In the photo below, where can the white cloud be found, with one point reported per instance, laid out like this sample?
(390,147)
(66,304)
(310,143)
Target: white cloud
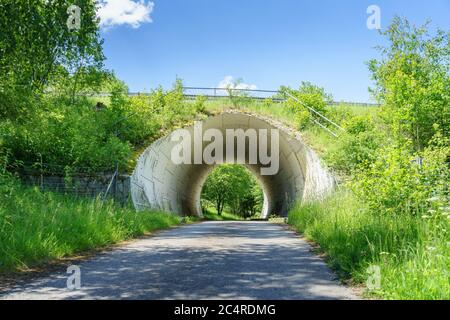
(230,83)
(125,12)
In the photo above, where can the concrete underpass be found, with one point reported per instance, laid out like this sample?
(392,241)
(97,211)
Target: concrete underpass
(158,183)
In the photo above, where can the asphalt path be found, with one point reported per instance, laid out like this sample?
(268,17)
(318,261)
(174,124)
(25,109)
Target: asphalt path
(209,260)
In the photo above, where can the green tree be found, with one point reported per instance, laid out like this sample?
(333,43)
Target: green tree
(412,82)
(232,186)
(35,40)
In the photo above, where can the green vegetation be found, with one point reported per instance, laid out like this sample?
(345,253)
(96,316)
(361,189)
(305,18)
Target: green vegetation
(232,187)
(211,214)
(37,49)
(412,252)
(412,82)
(310,95)
(46,70)
(86,133)
(393,210)
(36,227)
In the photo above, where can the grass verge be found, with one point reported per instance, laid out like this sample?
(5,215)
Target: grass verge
(211,214)
(411,253)
(38,227)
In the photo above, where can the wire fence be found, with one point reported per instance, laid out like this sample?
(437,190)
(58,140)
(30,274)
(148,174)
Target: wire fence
(78,182)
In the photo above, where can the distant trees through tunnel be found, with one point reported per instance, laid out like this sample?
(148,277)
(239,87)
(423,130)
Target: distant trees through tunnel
(234,190)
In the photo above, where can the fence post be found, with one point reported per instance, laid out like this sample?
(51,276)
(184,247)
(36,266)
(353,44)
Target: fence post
(42,173)
(116,180)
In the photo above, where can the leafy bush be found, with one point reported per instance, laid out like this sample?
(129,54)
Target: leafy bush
(199,105)
(340,113)
(358,148)
(399,182)
(86,133)
(66,135)
(312,96)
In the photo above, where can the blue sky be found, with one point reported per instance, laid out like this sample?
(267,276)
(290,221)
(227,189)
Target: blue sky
(267,43)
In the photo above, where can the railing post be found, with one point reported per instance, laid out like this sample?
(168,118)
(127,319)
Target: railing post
(116,180)
(42,173)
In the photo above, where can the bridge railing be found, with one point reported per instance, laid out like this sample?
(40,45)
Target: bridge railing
(318,114)
(219,93)
(257,94)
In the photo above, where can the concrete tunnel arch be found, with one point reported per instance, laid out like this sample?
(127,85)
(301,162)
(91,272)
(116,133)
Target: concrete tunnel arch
(157,183)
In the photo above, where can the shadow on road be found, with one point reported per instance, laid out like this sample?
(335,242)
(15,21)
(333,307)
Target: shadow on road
(212,260)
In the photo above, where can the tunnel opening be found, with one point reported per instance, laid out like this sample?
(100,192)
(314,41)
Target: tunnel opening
(159,183)
(232,192)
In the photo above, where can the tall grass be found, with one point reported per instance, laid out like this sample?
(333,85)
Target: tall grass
(412,253)
(276,110)
(36,227)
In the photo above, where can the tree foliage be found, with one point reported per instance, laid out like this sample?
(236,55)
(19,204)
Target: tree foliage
(36,45)
(35,38)
(235,187)
(412,82)
(310,95)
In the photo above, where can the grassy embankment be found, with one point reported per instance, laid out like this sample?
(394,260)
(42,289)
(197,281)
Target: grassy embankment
(412,253)
(37,227)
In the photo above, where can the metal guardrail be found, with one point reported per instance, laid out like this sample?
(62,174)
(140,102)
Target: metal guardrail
(312,110)
(217,97)
(275,95)
(233,89)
